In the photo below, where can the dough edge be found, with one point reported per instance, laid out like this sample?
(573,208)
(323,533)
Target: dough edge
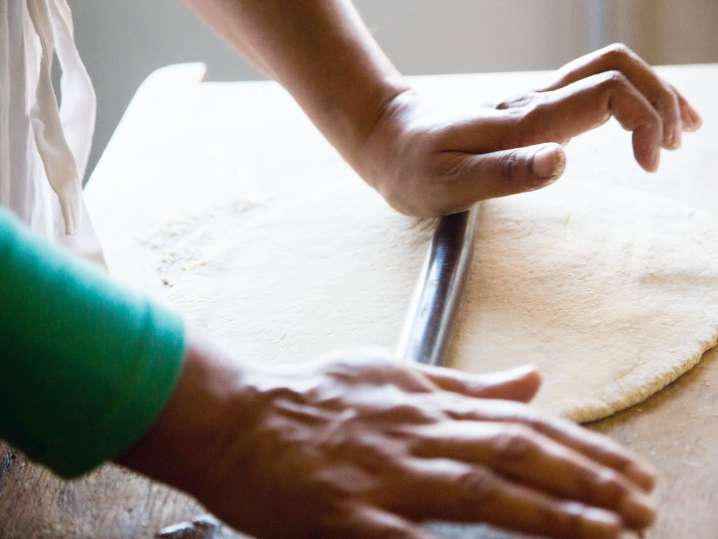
(643,386)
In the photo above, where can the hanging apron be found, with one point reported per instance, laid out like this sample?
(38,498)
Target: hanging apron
(44,147)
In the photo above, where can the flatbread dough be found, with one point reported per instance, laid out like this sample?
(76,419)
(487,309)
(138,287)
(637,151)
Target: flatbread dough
(612,293)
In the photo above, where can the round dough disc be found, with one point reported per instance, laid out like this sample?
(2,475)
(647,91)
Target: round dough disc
(612,294)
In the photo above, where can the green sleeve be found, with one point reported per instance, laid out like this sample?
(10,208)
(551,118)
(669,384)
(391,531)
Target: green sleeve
(86,366)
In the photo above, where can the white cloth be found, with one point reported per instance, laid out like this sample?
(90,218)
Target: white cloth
(44,147)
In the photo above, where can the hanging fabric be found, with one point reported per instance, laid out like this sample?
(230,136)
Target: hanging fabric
(45,146)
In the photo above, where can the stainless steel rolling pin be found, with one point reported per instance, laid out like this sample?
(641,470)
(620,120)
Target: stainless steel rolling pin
(436,298)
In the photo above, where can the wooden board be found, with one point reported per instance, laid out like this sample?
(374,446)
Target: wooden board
(184,144)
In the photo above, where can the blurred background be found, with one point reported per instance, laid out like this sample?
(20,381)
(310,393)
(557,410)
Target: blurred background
(124,41)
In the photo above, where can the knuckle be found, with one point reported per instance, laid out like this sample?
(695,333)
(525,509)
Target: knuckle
(667,101)
(276,431)
(509,163)
(608,481)
(656,117)
(617,52)
(410,412)
(536,422)
(613,79)
(526,121)
(371,368)
(514,443)
(478,486)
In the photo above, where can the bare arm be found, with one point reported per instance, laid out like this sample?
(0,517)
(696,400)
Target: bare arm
(423,159)
(321,52)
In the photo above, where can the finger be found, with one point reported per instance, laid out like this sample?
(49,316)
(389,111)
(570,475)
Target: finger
(621,58)
(530,458)
(496,174)
(689,115)
(372,523)
(588,103)
(520,384)
(600,448)
(595,446)
(458,492)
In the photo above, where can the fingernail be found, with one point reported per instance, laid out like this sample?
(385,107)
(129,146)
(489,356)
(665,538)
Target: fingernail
(521,370)
(509,375)
(642,475)
(602,517)
(547,164)
(670,139)
(600,524)
(696,120)
(638,511)
(673,140)
(654,159)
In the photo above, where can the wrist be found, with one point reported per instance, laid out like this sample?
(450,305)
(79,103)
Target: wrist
(179,447)
(383,140)
(355,115)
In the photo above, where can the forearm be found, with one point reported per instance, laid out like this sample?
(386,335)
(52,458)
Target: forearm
(321,52)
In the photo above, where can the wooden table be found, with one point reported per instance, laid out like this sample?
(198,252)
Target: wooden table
(183,144)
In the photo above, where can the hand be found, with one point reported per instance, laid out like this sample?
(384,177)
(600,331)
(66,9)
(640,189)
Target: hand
(426,162)
(363,447)
(366,447)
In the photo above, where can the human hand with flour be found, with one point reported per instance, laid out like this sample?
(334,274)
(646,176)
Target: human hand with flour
(426,161)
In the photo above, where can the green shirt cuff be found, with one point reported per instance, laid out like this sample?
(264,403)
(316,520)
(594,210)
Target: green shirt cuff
(87,366)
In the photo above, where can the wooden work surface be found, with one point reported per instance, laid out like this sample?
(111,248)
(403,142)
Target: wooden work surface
(186,144)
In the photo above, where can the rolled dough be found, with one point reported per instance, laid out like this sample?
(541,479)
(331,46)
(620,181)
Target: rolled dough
(611,293)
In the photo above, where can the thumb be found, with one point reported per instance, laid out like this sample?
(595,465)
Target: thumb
(513,171)
(519,384)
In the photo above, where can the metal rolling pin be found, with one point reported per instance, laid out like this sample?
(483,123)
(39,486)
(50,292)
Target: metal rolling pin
(429,321)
